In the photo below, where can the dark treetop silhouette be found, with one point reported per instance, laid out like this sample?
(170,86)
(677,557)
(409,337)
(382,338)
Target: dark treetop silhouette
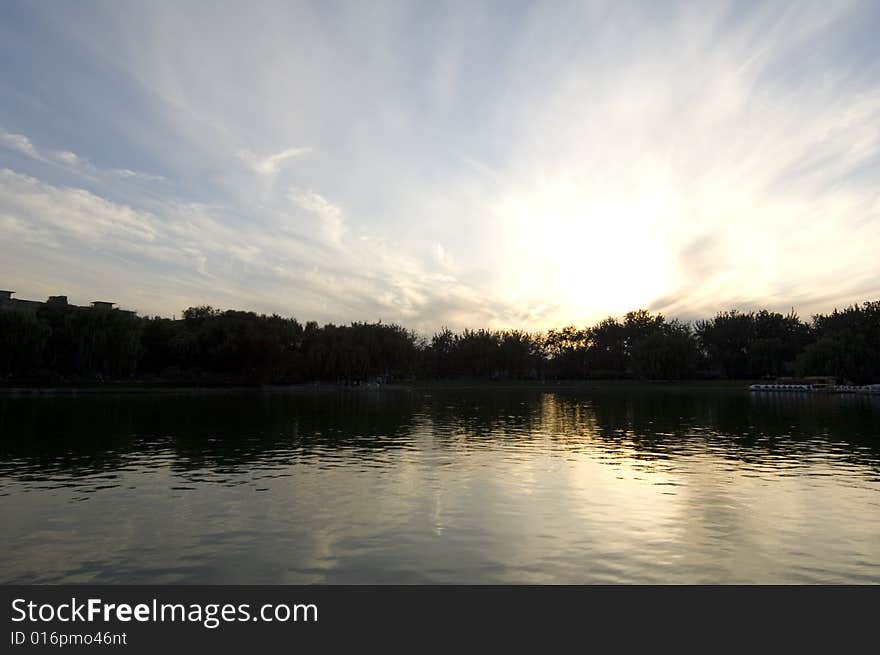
(53,343)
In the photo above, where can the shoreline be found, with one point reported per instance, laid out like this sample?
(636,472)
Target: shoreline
(418,386)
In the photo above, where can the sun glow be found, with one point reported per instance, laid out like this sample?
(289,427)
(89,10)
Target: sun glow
(575,257)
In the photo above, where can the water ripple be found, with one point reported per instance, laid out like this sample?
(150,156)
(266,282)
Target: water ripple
(494,487)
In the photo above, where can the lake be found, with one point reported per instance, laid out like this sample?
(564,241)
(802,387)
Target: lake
(547,485)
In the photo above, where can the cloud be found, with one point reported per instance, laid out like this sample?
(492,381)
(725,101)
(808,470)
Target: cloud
(331,221)
(204,258)
(271,164)
(74,212)
(577,159)
(68,157)
(18,143)
(441,256)
(127,173)
(69,160)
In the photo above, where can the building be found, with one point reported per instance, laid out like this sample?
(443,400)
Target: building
(7,302)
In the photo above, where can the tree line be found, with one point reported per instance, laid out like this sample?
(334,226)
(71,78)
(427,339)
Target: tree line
(66,344)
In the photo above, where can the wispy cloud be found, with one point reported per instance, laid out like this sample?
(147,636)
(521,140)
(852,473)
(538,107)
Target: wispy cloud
(466,165)
(18,143)
(331,224)
(213,261)
(67,159)
(271,164)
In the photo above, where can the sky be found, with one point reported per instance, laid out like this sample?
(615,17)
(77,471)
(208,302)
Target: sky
(463,164)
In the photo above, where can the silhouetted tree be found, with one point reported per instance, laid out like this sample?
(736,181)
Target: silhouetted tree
(566,351)
(23,338)
(847,345)
(607,354)
(725,339)
(212,346)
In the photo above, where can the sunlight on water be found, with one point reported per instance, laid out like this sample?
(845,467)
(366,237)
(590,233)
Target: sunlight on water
(417,487)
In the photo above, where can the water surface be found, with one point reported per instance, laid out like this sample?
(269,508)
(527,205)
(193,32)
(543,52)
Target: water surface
(498,486)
